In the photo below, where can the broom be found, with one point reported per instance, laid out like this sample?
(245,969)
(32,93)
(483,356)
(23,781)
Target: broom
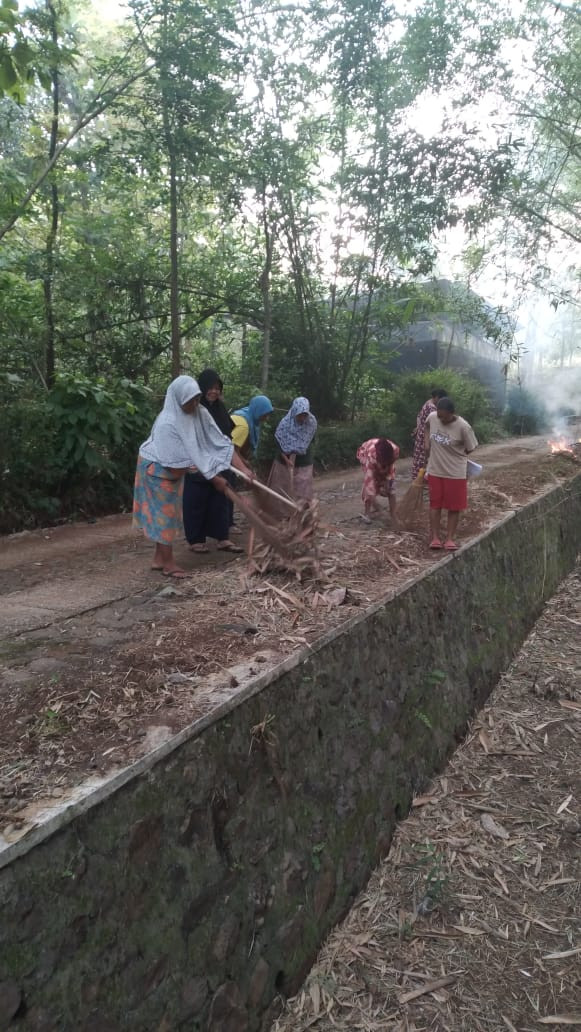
(294,540)
(412,499)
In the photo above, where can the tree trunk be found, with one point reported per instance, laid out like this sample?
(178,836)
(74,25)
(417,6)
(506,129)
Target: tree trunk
(49,251)
(176,362)
(174,303)
(266,299)
(244,348)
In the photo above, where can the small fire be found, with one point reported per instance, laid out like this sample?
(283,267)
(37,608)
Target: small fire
(560,444)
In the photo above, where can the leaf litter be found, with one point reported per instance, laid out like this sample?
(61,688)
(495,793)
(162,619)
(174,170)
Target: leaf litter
(496,841)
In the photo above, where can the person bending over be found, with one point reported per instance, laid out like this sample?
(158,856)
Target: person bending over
(378,457)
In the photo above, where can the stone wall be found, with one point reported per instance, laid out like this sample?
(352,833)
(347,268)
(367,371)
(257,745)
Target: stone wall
(191,895)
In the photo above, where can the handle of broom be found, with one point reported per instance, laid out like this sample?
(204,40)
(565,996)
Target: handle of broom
(263,487)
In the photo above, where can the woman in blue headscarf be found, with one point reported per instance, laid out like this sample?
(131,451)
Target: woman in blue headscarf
(247,422)
(292,469)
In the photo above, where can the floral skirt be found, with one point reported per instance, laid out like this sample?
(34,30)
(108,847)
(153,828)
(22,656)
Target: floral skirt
(157,502)
(419,458)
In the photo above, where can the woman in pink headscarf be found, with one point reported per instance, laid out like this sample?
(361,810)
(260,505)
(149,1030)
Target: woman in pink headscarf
(420,458)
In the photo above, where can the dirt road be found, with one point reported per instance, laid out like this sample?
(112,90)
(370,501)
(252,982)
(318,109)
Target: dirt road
(51,575)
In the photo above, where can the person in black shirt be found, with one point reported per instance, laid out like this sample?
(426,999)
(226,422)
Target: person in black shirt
(208,513)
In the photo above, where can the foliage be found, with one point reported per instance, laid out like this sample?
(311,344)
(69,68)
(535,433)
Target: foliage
(251,187)
(28,473)
(431,863)
(409,391)
(524,412)
(96,426)
(72,450)
(537,218)
(19,61)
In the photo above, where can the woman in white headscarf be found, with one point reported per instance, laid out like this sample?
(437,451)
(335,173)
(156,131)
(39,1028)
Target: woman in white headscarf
(184,437)
(292,469)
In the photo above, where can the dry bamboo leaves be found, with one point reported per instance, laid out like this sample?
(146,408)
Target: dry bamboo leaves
(290,543)
(492,827)
(560,1019)
(430,987)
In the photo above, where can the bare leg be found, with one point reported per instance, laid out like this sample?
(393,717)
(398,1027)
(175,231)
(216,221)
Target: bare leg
(157,563)
(435,521)
(392,510)
(164,560)
(371,507)
(453,518)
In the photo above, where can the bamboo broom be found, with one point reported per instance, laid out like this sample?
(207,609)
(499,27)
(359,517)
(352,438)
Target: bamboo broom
(294,540)
(413,498)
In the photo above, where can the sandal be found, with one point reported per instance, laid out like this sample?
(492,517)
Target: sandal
(229,546)
(176,574)
(366,519)
(199,549)
(450,546)
(436,543)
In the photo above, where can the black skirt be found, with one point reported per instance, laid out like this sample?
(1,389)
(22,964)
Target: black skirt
(206,511)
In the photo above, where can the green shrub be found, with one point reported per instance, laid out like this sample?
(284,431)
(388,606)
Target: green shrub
(524,412)
(409,391)
(28,472)
(98,428)
(71,450)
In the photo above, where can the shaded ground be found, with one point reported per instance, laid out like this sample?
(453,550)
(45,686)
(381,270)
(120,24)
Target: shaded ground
(473,921)
(100,658)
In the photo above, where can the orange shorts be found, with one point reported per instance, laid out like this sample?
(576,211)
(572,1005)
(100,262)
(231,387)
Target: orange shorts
(446,493)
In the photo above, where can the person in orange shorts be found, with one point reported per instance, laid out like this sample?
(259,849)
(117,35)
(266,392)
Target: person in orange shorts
(449,439)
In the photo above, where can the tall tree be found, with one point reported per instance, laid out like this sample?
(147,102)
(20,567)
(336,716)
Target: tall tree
(186,103)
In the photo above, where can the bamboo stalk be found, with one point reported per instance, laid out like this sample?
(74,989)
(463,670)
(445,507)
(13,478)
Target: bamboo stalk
(263,487)
(268,532)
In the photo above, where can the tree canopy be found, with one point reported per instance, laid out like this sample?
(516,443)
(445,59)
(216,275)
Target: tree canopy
(210,174)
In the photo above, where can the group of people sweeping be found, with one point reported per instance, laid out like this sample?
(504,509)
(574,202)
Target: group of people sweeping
(188,465)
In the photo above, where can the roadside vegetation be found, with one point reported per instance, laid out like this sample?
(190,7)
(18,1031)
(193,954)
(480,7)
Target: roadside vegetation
(182,189)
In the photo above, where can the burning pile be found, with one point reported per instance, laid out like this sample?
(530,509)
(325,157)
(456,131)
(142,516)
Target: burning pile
(563,446)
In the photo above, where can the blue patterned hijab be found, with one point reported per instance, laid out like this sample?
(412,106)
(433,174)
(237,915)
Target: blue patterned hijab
(293,436)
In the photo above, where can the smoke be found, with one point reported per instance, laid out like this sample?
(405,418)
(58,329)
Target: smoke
(559,391)
(550,368)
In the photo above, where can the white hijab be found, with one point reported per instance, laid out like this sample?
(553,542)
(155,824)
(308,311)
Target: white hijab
(179,440)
